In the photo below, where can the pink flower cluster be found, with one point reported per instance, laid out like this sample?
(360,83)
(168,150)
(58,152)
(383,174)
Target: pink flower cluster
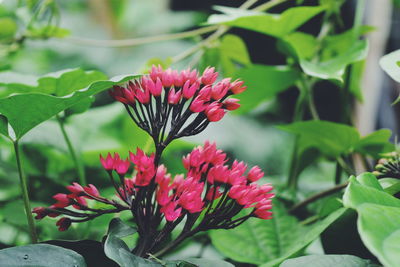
(208,178)
(153,193)
(152,99)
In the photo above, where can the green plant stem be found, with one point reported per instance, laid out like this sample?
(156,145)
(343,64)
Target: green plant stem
(142,40)
(25,195)
(293,175)
(345,166)
(317,196)
(338,173)
(78,165)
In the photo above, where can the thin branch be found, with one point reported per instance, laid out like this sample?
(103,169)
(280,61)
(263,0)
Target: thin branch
(317,196)
(141,40)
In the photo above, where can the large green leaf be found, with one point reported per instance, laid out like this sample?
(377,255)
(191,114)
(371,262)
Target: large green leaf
(269,242)
(366,189)
(332,139)
(59,83)
(270,24)
(264,83)
(380,231)
(334,67)
(40,255)
(25,111)
(328,261)
(300,45)
(312,233)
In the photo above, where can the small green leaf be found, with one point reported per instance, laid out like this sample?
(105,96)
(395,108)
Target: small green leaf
(380,231)
(42,255)
(355,87)
(120,229)
(364,190)
(270,24)
(390,64)
(328,261)
(208,262)
(118,251)
(332,139)
(264,83)
(40,107)
(334,68)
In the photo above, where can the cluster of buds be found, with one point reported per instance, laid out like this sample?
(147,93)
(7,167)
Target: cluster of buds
(389,166)
(169,104)
(210,196)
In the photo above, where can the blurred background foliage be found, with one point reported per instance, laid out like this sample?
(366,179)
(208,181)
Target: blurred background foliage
(319,50)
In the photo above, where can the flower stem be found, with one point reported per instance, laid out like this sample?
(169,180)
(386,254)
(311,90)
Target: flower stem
(25,195)
(78,165)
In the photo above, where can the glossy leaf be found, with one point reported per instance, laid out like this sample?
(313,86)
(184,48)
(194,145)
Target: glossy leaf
(264,83)
(301,45)
(390,185)
(41,107)
(380,231)
(270,24)
(42,255)
(366,189)
(328,261)
(334,67)
(269,242)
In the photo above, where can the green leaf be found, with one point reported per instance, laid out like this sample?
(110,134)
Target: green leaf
(59,83)
(47,31)
(328,261)
(232,51)
(272,241)
(375,143)
(312,233)
(390,185)
(270,24)
(40,255)
(332,139)
(118,251)
(120,229)
(3,125)
(301,45)
(380,231)
(334,68)
(366,189)
(389,63)
(40,107)
(264,83)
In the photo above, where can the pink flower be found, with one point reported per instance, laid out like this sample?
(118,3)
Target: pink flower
(231,104)
(121,166)
(62,200)
(190,90)
(75,188)
(63,224)
(171,212)
(209,76)
(214,112)
(108,162)
(174,97)
(92,190)
(255,174)
(237,87)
